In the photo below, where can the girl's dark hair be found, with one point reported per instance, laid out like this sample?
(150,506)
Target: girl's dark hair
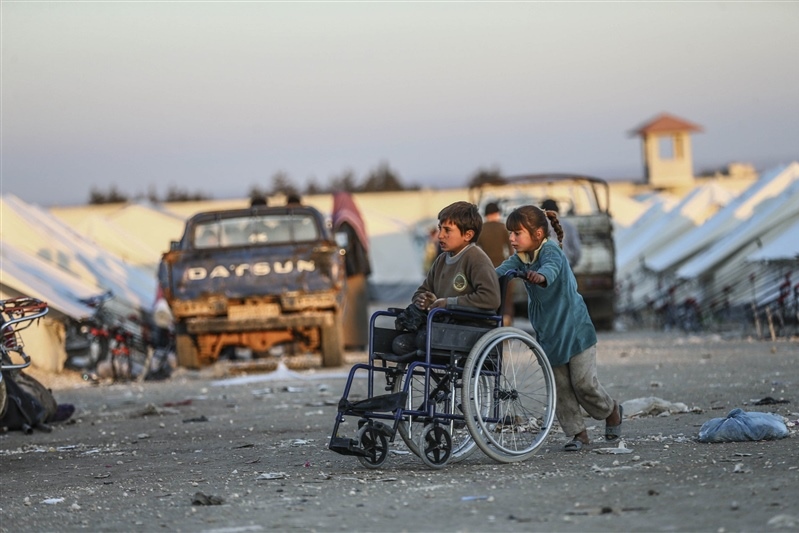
(465,216)
(531,218)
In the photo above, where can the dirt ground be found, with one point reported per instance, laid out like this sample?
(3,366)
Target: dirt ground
(205,452)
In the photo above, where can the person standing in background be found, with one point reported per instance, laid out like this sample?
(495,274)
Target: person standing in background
(495,242)
(347,220)
(432,249)
(572,245)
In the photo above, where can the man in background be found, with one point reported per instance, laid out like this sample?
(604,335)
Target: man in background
(495,242)
(572,246)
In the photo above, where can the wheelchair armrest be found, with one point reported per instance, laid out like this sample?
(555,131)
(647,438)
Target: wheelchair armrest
(475,310)
(462,313)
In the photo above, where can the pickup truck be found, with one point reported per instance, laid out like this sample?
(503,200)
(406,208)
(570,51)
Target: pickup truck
(583,201)
(267,279)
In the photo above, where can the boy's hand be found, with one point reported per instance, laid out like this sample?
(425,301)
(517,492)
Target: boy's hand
(441,302)
(425,300)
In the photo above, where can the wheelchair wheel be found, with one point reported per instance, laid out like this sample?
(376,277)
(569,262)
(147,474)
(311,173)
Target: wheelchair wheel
(522,390)
(410,427)
(435,446)
(375,444)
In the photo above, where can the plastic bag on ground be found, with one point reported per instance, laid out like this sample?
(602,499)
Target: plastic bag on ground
(652,406)
(741,425)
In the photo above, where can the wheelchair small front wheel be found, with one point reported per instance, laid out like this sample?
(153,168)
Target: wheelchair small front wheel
(446,394)
(372,441)
(435,446)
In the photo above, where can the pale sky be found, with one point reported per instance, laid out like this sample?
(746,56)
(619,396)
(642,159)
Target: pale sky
(219,96)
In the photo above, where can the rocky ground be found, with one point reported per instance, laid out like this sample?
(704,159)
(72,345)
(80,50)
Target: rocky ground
(205,451)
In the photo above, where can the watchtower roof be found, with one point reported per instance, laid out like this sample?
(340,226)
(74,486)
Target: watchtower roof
(665,123)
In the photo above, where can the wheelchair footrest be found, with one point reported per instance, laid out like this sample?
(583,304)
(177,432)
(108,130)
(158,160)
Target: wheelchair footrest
(375,404)
(345,446)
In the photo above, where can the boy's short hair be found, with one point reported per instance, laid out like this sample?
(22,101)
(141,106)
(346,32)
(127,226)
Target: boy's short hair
(465,216)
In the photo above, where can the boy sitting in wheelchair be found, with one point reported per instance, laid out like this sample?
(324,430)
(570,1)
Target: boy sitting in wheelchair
(461,277)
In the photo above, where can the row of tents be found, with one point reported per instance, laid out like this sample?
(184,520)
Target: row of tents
(713,256)
(716,257)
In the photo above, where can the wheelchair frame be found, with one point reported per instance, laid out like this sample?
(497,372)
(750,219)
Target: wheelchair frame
(501,371)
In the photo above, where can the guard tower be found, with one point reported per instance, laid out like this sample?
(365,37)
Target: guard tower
(667,151)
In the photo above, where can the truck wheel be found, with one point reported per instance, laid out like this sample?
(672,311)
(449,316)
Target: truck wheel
(188,355)
(332,343)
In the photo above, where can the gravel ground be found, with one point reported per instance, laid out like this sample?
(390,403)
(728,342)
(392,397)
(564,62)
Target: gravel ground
(207,451)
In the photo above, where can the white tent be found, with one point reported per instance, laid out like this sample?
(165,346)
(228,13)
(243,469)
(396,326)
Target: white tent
(136,233)
(770,221)
(785,247)
(34,232)
(739,259)
(771,184)
(658,229)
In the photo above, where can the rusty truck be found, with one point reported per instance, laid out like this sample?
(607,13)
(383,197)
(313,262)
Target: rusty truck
(268,280)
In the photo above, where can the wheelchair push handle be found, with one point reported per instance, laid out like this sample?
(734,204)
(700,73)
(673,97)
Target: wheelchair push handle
(514,273)
(522,274)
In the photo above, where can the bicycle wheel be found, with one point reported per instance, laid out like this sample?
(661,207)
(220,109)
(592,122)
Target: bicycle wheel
(522,390)
(447,396)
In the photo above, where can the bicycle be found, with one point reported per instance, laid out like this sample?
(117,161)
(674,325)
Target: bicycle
(122,349)
(16,315)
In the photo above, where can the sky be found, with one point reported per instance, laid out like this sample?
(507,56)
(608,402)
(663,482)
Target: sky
(218,97)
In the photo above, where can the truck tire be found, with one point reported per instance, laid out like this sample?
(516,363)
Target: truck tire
(188,355)
(333,343)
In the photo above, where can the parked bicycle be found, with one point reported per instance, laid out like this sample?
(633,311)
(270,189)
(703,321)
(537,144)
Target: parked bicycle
(109,345)
(16,315)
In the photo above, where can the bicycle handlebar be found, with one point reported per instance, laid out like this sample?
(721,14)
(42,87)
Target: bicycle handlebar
(16,311)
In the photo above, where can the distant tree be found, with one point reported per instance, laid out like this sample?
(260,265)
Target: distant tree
(312,187)
(113,196)
(174,194)
(152,194)
(281,184)
(486,177)
(345,182)
(382,179)
(257,194)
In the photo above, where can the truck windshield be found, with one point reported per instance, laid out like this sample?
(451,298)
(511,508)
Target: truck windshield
(249,230)
(574,198)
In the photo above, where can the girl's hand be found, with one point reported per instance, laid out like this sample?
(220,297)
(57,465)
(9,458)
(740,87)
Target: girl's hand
(535,278)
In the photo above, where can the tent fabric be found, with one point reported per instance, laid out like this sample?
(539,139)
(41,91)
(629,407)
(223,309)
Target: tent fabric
(35,233)
(26,274)
(772,183)
(766,223)
(660,229)
(784,247)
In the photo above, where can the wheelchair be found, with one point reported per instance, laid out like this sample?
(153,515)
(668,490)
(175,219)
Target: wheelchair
(476,384)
